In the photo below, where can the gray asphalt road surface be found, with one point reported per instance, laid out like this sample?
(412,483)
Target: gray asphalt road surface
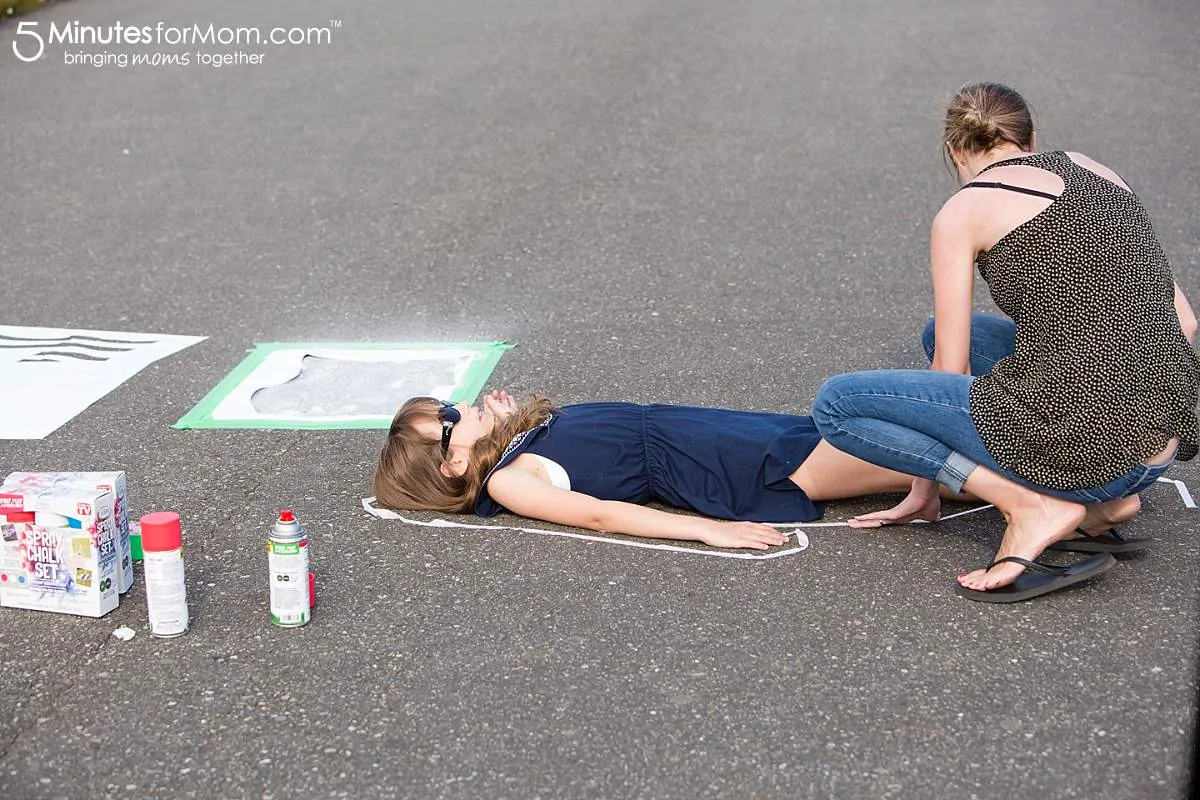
(695,202)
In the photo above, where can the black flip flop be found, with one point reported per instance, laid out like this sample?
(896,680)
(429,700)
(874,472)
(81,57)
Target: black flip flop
(1107,542)
(1039,579)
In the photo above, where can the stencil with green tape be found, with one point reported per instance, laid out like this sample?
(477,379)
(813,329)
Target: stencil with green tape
(341,385)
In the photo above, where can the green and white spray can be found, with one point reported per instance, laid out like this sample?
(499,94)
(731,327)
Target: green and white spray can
(287,561)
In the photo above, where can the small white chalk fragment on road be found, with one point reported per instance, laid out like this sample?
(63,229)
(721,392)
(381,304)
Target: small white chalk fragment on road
(124,634)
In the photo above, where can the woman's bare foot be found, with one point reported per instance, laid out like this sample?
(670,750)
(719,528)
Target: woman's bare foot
(1035,521)
(1103,517)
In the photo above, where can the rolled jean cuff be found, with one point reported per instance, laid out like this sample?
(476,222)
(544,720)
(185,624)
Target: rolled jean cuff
(955,470)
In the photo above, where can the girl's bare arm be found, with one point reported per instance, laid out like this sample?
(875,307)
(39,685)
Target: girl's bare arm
(528,495)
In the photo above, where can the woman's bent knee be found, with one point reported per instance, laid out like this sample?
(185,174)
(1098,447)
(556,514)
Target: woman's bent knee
(830,408)
(825,404)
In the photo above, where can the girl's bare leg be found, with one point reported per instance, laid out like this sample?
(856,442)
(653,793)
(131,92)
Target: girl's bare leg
(830,474)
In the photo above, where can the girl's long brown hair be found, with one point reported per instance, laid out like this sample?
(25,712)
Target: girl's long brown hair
(409,475)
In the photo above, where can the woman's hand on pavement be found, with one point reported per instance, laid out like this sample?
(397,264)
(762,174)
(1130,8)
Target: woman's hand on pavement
(919,504)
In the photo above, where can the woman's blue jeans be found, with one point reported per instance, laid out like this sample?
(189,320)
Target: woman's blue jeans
(919,422)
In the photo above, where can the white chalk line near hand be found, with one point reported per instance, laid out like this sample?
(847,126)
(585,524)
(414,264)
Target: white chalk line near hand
(800,546)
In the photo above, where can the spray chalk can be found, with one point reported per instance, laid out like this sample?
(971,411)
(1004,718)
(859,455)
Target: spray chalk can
(287,562)
(162,564)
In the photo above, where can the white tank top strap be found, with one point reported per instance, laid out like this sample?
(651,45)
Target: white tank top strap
(558,476)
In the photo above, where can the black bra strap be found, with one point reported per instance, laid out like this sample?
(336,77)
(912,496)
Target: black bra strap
(998,185)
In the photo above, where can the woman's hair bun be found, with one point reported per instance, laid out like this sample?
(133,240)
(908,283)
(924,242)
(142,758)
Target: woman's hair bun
(985,115)
(976,121)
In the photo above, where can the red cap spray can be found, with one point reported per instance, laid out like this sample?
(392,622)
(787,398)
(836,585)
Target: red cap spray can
(287,563)
(162,564)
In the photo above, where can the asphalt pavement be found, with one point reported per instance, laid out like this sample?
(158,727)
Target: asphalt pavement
(696,202)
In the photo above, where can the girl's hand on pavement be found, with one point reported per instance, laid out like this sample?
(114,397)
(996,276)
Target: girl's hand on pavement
(752,535)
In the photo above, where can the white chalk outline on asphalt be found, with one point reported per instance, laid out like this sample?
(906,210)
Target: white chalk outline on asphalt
(802,542)
(1184,494)
(383,513)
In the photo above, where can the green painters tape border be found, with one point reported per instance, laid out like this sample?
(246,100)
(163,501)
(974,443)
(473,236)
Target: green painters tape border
(486,356)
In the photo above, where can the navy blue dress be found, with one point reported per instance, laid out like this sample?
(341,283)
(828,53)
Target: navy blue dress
(719,462)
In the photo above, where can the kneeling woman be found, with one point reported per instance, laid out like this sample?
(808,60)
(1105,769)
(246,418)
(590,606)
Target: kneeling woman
(1062,413)
(593,466)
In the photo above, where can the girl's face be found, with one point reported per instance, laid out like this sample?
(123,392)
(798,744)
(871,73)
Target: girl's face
(475,423)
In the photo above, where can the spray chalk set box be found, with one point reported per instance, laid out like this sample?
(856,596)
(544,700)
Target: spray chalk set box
(58,550)
(103,481)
